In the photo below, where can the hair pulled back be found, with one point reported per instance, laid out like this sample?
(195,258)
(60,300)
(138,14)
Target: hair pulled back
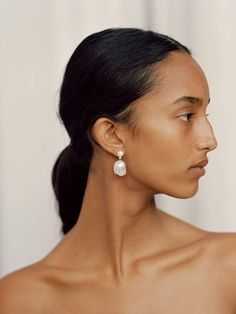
(108,71)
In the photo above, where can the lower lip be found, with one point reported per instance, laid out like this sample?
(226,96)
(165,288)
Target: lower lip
(198,170)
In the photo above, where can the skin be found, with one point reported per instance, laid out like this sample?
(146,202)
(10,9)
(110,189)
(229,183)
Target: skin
(125,255)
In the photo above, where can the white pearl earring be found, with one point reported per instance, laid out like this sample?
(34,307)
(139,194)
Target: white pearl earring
(120,166)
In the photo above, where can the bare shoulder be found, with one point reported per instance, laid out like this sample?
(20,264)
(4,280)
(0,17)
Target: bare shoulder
(220,248)
(223,246)
(24,291)
(222,252)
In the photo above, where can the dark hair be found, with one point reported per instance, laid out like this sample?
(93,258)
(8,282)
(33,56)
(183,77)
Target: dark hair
(107,72)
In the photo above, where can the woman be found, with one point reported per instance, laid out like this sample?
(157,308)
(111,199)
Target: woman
(134,105)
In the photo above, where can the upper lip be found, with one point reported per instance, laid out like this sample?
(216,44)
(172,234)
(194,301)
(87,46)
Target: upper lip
(201,163)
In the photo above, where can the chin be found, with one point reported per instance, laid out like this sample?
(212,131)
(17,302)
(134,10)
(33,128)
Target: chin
(188,193)
(184,192)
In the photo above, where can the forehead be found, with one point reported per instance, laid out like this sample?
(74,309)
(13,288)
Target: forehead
(178,75)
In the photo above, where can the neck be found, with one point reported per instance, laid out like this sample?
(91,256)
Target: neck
(118,224)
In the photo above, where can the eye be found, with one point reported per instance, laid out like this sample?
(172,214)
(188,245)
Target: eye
(190,114)
(187,114)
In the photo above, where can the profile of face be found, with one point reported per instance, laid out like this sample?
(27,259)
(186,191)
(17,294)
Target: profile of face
(174,132)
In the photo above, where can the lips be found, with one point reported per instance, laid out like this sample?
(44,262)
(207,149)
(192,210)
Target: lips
(198,169)
(201,163)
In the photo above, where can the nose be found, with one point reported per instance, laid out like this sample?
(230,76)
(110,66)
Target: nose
(207,139)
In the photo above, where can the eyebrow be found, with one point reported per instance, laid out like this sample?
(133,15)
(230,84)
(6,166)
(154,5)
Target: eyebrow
(191,99)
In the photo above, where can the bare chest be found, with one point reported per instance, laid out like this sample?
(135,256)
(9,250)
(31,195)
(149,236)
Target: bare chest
(191,282)
(170,294)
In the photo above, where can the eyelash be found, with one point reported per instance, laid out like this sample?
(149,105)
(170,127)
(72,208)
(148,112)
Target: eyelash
(191,113)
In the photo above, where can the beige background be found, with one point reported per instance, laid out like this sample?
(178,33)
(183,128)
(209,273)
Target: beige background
(37,38)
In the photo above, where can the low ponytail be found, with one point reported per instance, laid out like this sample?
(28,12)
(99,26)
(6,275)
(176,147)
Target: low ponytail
(69,180)
(106,74)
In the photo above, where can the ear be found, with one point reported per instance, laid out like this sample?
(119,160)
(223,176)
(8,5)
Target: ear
(109,135)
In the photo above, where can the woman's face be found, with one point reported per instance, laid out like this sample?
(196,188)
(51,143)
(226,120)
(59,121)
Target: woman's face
(174,131)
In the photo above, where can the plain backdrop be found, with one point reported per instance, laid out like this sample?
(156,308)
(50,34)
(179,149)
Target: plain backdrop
(37,39)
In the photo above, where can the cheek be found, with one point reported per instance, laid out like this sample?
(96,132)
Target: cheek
(158,160)
(153,154)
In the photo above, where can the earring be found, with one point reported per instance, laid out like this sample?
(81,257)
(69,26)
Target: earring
(120,166)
